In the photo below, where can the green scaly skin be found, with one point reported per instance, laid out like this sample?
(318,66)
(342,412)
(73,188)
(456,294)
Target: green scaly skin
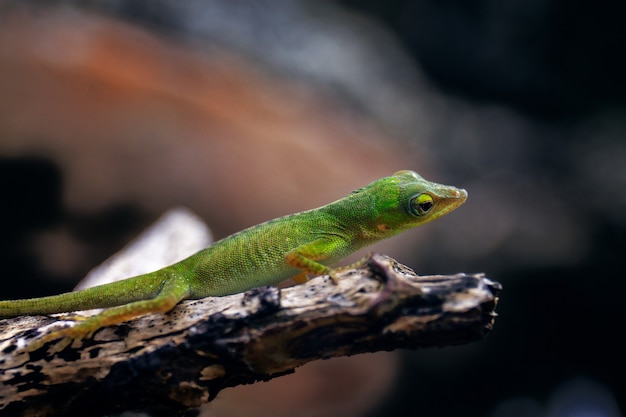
(303,243)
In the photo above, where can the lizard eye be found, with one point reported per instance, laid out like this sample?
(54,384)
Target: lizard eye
(421,204)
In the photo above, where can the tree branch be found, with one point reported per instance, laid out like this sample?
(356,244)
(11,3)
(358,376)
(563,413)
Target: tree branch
(174,362)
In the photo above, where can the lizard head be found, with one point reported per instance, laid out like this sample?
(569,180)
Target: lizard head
(426,200)
(406,200)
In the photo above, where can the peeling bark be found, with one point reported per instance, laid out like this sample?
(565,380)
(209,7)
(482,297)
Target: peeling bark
(172,363)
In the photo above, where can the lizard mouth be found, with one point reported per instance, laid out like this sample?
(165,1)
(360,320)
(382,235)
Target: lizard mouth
(452,200)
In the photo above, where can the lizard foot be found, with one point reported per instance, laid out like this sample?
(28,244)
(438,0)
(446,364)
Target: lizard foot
(64,337)
(334,273)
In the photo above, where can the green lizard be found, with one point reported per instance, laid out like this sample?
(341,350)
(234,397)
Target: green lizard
(291,246)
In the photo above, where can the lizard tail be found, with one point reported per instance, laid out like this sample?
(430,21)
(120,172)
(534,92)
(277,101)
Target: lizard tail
(141,287)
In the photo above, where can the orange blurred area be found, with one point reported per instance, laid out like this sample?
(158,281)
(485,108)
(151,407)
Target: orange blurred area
(130,116)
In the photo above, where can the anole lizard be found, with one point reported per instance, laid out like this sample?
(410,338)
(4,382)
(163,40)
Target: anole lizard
(265,254)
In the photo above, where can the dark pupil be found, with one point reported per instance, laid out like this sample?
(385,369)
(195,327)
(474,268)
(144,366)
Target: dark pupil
(426,205)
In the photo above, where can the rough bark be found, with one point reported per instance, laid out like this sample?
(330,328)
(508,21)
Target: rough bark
(172,363)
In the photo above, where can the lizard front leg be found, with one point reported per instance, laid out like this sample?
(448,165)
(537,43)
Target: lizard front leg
(305,258)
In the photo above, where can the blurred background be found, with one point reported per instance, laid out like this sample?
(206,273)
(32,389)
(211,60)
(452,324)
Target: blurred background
(112,112)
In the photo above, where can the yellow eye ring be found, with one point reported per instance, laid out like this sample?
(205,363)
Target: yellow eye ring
(421,204)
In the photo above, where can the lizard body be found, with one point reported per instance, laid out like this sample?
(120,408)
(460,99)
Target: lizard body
(308,242)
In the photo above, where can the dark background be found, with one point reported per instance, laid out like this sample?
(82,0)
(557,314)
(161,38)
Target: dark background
(558,63)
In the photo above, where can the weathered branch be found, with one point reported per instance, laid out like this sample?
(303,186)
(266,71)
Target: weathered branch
(170,363)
